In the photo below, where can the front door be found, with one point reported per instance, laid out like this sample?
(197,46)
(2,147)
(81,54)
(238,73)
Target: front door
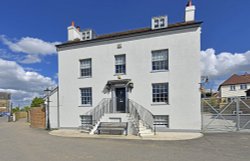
(120,99)
(248,93)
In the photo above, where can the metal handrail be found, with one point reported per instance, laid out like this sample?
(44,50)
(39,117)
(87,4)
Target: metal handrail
(139,113)
(103,107)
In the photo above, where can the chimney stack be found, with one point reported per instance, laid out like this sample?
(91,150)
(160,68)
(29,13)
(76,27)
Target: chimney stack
(74,33)
(189,12)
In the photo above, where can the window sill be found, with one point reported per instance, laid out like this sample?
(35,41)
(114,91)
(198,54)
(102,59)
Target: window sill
(85,77)
(85,106)
(160,103)
(119,74)
(156,71)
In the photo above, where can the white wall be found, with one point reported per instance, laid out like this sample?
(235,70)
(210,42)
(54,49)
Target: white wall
(53,110)
(183,75)
(226,92)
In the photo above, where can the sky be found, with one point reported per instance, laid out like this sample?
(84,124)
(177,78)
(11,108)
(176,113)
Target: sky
(29,29)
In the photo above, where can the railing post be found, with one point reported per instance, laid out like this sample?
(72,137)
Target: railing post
(202,117)
(238,113)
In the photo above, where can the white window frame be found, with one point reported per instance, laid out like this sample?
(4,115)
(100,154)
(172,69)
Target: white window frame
(159,22)
(120,64)
(84,67)
(232,88)
(243,85)
(159,93)
(163,63)
(161,121)
(87,96)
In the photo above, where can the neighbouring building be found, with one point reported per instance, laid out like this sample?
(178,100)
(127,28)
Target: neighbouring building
(236,86)
(150,74)
(4,101)
(52,113)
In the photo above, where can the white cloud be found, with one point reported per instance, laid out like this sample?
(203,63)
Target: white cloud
(33,48)
(219,66)
(24,85)
(29,59)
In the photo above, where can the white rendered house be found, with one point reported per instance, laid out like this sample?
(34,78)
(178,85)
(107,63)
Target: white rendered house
(139,76)
(236,86)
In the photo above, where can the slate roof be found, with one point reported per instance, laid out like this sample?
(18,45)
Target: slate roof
(135,32)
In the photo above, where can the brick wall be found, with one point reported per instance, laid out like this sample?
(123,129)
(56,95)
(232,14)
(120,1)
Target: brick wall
(37,117)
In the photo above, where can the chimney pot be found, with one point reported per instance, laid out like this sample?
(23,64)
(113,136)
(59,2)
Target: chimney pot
(189,3)
(78,28)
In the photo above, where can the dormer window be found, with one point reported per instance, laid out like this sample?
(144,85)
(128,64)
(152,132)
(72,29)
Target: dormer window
(156,23)
(88,34)
(159,22)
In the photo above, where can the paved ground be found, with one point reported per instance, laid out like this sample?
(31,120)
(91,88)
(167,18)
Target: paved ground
(159,135)
(18,142)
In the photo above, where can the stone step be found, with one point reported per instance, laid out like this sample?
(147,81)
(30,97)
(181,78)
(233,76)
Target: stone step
(145,131)
(146,134)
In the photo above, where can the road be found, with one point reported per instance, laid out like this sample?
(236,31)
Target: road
(18,142)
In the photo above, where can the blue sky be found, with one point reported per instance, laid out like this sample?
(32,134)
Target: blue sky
(225,32)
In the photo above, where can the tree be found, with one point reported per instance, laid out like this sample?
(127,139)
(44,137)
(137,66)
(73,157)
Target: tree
(37,102)
(26,108)
(16,109)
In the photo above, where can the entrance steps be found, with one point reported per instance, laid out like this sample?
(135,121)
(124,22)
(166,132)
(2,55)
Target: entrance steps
(133,127)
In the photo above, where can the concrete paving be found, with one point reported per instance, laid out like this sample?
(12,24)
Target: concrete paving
(18,142)
(158,136)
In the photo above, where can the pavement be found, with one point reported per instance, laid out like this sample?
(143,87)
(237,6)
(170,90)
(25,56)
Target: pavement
(159,135)
(19,142)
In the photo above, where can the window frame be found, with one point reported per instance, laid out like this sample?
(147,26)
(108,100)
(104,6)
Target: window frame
(232,88)
(153,53)
(90,96)
(160,94)
(83,68)
(161,121)
(124,65)
(243,85)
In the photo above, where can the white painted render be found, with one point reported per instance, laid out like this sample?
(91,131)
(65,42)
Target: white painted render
(226,92)
(190,13)
(183,75)
(74,34)
(53,109)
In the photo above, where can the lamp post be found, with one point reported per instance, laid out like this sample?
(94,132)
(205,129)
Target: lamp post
(47,92)
(204,80)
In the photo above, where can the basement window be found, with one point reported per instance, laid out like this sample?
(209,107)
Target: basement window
(161,120)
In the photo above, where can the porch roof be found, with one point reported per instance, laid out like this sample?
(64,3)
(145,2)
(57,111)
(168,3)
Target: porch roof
(119,81)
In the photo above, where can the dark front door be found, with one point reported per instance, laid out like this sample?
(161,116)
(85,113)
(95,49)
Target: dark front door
(248,93)
(120,99)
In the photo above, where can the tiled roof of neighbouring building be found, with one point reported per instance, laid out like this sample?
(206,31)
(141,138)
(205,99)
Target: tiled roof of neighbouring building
(237,79)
